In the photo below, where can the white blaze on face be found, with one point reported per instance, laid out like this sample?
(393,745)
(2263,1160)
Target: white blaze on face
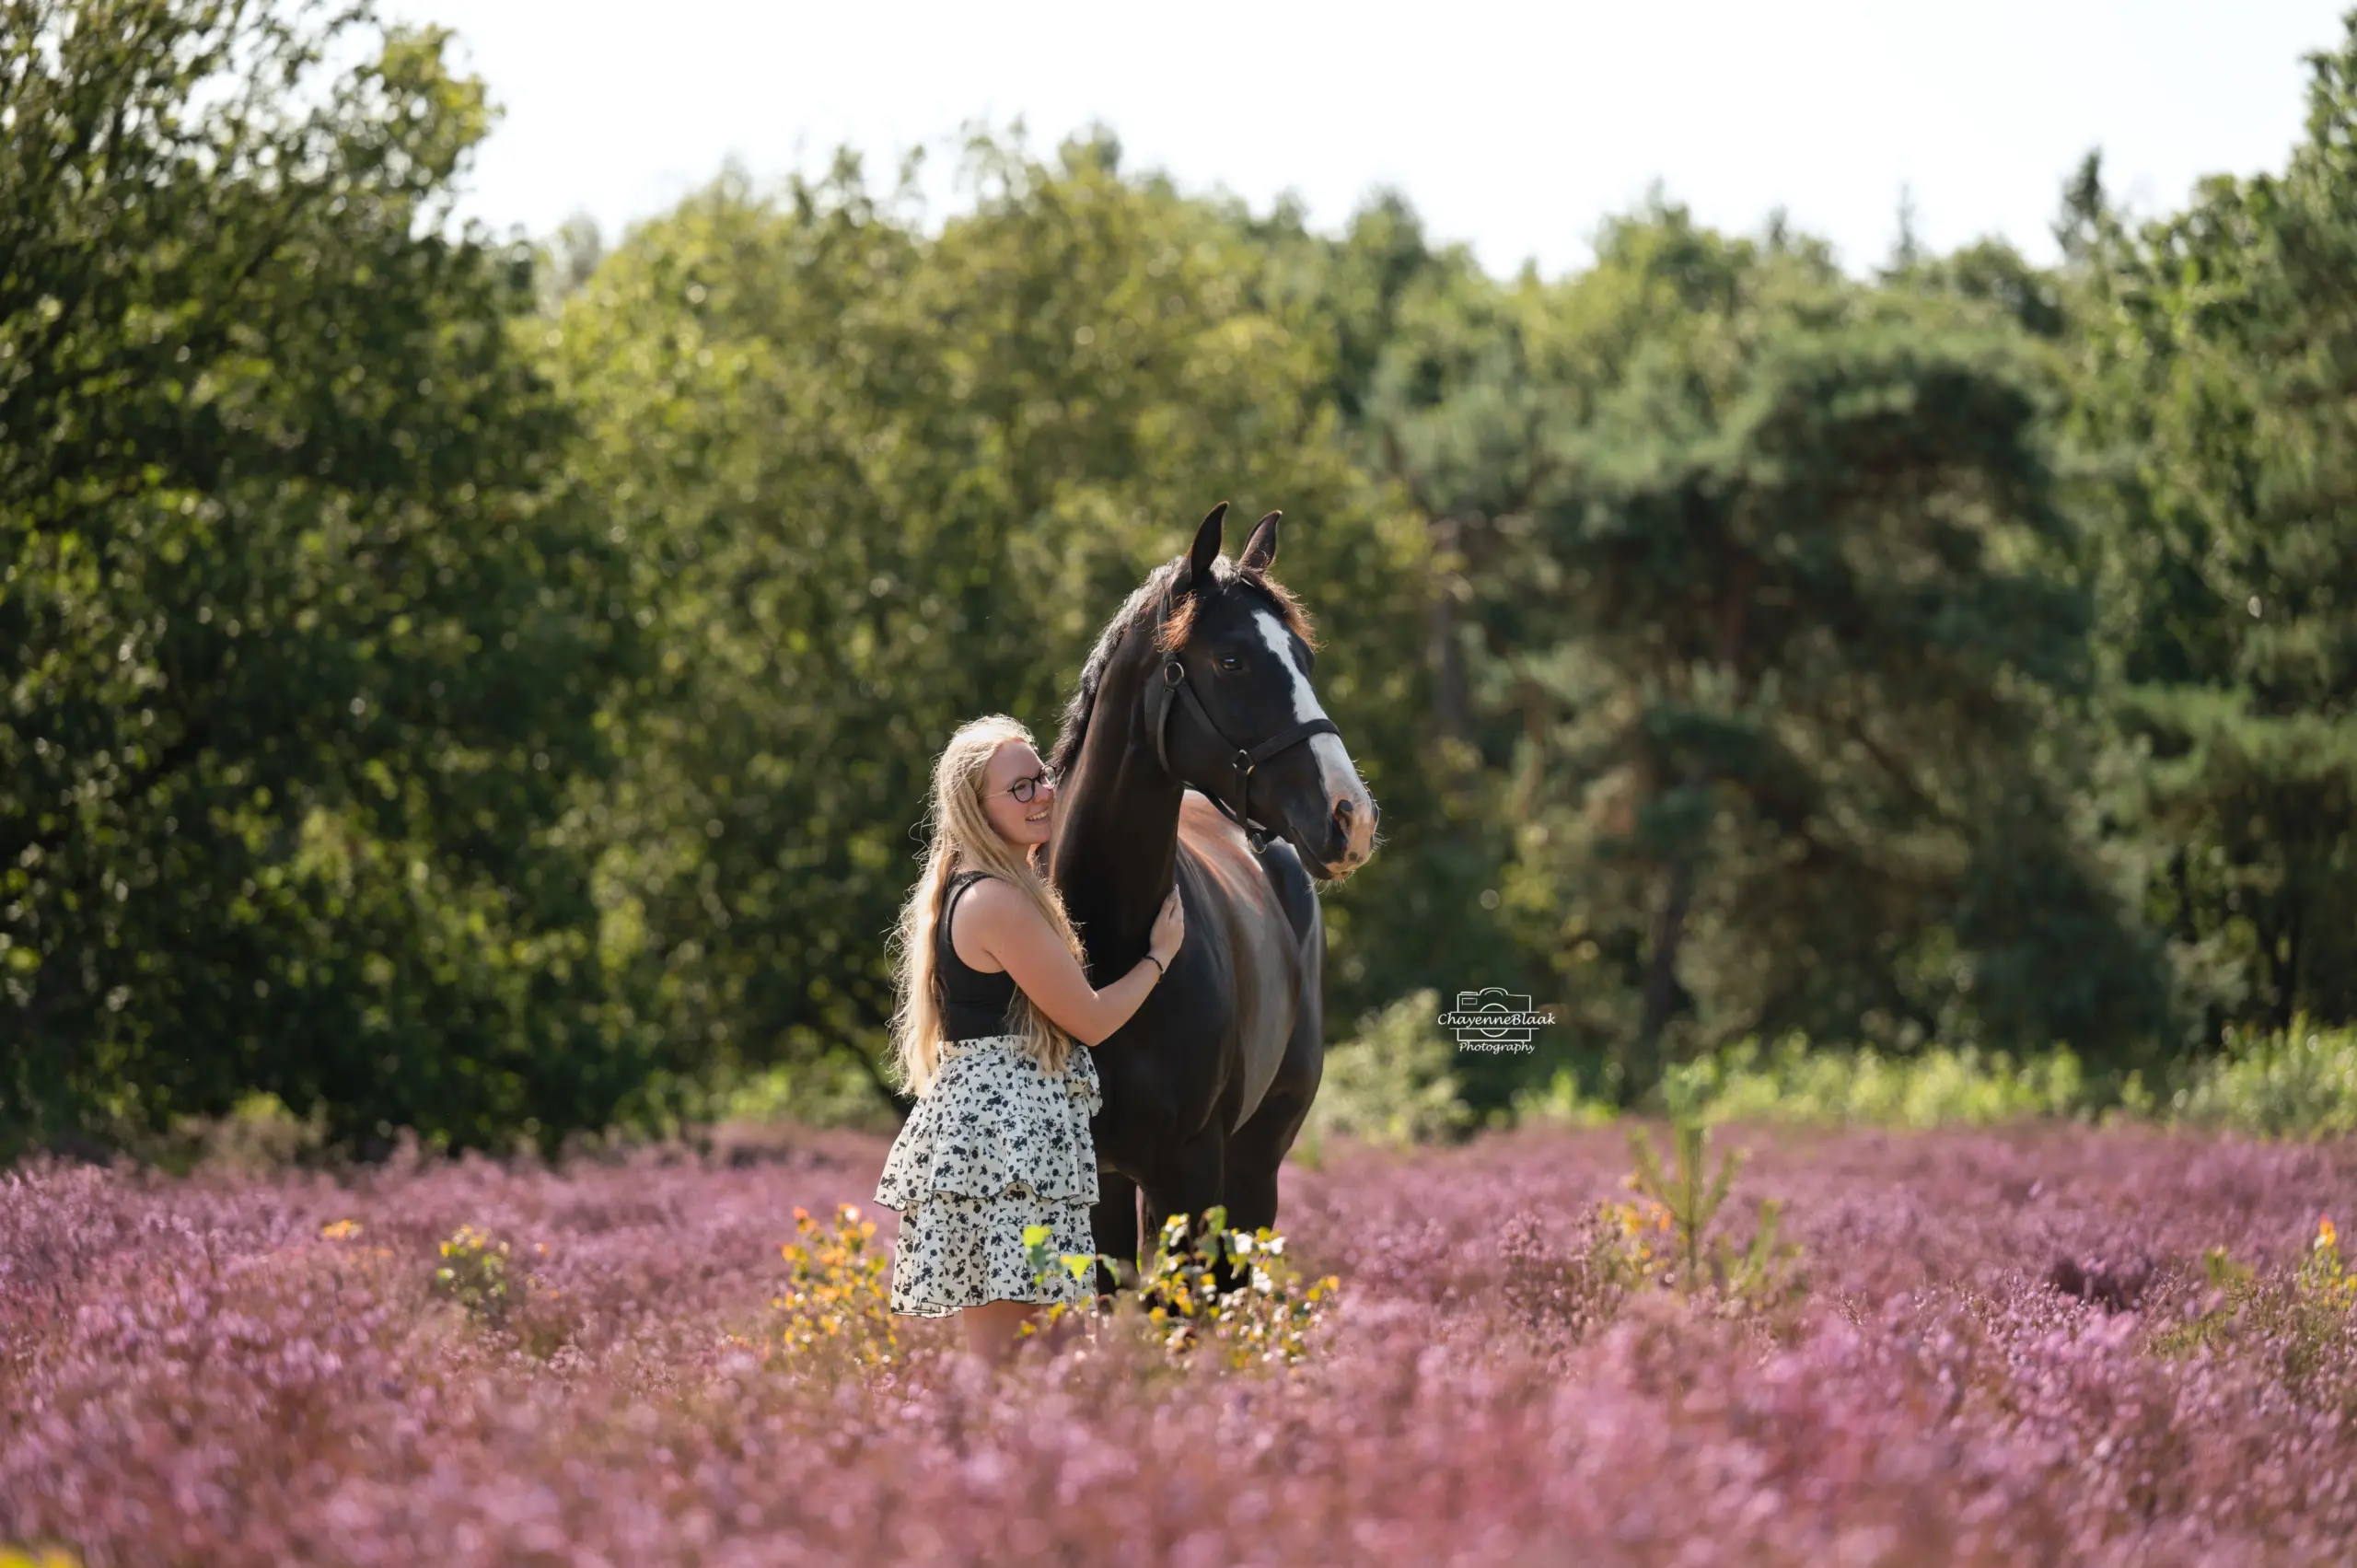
(1336,775)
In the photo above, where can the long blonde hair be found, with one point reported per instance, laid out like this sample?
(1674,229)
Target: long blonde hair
(963,840)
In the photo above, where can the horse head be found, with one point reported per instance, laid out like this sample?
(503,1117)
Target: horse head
(1233,712)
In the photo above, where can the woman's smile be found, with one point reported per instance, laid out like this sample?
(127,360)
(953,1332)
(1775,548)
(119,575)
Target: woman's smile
(1019,793)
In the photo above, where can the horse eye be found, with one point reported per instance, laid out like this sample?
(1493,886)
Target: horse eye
(1229,661)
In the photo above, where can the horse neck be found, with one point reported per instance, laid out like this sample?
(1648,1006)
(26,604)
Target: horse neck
(1116,847)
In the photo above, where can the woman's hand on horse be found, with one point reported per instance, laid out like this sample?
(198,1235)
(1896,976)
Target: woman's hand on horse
(1169,928)
(1007,927)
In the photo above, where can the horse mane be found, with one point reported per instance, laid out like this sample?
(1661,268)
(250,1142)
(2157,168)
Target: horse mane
(1139,610)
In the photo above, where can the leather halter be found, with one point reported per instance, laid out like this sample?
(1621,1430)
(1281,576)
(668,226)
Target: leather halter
(1172,683)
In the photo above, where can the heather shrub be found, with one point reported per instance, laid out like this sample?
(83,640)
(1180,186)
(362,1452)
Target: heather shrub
(1570,1287)
(2232,1287)
(243,1373)
(1395,1084)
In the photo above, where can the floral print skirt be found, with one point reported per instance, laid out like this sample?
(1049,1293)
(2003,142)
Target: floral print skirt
(995,1145)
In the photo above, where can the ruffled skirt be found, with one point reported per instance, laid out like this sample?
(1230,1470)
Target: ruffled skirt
(995,1145)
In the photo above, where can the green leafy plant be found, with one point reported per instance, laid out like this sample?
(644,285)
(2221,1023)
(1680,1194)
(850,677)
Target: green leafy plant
(1394,1085)
(2310,1311)
(260,1136)
(28,1557)
(837,1303)
(1267,1318)
(1799,1080)
(2322,1274)
(474,1275)
(1046,1263)
(1048,1266)
(1559,1100)
(2294,1082)
(2234,1285)
(482,1273)
(1665,1237)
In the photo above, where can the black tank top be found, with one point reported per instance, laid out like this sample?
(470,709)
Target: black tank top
(973,1004)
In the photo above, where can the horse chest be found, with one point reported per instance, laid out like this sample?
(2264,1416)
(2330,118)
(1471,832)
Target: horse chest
(1268,996)
(1207,1049)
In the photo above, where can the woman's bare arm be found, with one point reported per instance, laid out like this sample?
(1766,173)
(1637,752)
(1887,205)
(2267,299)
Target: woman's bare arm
(1004,925)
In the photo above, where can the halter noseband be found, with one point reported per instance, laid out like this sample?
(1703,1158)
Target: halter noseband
(1173,683)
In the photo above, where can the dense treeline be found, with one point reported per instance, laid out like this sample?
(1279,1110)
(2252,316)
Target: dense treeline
(490,691)
(305,639)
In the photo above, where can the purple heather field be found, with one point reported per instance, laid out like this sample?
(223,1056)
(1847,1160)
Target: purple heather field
(2002,1347)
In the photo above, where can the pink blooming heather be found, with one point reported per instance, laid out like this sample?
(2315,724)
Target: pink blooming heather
(2000,1348)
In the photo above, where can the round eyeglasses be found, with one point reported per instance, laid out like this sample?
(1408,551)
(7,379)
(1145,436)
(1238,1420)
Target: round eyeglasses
(1027,790)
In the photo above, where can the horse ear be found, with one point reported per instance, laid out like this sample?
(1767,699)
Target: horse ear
(1206,551)
(1260,550)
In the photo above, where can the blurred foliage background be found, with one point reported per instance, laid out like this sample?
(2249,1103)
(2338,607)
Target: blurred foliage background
(488,687)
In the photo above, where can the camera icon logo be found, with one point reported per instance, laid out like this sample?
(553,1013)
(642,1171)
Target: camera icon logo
(1493,1018)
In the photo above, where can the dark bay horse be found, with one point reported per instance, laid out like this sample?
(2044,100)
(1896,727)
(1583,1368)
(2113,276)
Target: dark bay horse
(1195,750)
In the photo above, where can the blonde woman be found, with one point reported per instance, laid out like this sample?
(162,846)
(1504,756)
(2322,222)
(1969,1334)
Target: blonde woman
(991,994)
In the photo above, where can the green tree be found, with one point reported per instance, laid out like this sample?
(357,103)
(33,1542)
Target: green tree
(300,639)
(2219,348)
(875,483)
(1434,369)
(1774,591)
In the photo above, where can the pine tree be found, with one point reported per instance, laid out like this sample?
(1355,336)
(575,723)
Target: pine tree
(2220,353)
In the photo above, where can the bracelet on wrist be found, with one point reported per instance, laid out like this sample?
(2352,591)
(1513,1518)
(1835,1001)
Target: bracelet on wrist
(1158,971)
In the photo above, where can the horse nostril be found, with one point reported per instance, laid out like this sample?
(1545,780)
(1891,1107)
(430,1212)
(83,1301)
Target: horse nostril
(1346,816)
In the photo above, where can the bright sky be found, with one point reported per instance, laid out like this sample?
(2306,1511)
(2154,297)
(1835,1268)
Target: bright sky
(1516,127)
